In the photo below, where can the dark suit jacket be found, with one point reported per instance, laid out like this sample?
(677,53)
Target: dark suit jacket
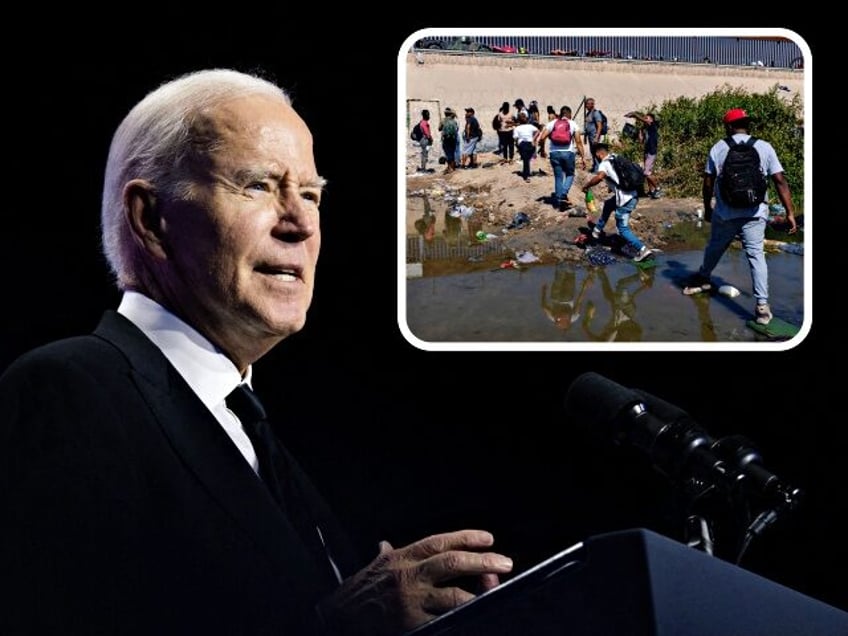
(129,510)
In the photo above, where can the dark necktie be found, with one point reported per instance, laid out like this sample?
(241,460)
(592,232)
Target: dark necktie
(272,466)
(247,407)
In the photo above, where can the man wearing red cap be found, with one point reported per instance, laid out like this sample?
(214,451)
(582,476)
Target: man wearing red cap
(748,219)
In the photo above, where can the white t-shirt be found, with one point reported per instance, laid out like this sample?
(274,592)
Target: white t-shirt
(555,147)
(524,132)
(769,164)
(621,196)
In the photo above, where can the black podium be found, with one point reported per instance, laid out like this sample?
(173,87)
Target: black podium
(635,583)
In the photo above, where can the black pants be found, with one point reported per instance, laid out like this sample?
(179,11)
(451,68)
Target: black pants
(449,148)
(525,151)
(506,143)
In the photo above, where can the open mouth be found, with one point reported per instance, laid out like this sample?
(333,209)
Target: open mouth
(284,274)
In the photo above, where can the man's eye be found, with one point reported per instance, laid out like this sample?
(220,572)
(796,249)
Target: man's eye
(259,186)
(313,197)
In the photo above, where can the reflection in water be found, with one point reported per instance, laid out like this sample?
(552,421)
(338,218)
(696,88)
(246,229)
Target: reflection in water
(562,307)
(453,228)
(580,303)
(622,324)
(426,225)
(702,305)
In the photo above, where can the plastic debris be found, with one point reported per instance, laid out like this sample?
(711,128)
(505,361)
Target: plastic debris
(526,256)
(600,257)
(728,290)
(520,220)
(792,248)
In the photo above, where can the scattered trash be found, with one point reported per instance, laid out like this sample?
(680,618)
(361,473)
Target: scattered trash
(600,257)
(699,213)
(520,220)
(463,211)
(581,240)
(510,264)
(483,236)
(792,248)
(574,212)
(728,290)
(526,256)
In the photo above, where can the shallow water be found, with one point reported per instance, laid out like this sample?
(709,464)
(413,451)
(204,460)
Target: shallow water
(619,302)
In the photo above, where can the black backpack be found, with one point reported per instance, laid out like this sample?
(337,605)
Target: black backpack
(742,183)
(604,123)
(630,175)
(496,122)
(416,133)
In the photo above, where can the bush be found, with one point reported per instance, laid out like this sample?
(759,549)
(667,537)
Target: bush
(690,127)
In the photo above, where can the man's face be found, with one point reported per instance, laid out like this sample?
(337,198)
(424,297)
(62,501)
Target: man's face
(590,104)
(242,249)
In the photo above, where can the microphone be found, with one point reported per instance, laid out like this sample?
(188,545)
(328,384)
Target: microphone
(603,410)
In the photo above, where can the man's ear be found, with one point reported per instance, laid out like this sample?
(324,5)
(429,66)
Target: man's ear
(144,218)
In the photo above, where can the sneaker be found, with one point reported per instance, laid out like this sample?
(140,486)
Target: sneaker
(596,232)
(697,284)
(656,194)
(643,253)
(763,314)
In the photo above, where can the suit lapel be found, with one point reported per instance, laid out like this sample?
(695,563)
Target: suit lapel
(205,449)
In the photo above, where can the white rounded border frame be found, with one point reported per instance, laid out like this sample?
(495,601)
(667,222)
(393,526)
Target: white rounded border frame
(606,346)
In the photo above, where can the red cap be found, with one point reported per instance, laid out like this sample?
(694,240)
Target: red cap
(733,114)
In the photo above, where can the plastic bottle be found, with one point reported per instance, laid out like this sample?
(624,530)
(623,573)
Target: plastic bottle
(591,206)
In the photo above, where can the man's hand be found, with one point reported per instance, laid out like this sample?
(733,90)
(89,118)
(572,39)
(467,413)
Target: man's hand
(793,227)
(405,587)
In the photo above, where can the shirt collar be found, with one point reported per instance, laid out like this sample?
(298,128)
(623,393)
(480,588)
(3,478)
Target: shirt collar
(209,373)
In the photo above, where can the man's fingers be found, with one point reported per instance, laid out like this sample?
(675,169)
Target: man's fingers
(450,565)
(443,599)
(488,581)
(438,543)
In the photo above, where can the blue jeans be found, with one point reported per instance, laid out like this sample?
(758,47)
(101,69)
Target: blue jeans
(622,220)
(752,231)
(562,162)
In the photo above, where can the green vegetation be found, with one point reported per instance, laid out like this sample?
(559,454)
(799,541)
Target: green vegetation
(689,128)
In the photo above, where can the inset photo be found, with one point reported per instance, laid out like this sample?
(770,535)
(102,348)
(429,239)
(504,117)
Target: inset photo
(605,189)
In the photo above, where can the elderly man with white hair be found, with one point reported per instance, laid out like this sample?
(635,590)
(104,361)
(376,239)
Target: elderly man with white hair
(143,488)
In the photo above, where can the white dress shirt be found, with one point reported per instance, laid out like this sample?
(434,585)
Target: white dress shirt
(209,373)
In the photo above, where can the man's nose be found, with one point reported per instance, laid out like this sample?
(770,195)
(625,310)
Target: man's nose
(298,218)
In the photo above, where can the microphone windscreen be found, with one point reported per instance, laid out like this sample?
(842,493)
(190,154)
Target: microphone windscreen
(593,405)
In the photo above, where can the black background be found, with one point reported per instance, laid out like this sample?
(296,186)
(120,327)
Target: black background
(403,442)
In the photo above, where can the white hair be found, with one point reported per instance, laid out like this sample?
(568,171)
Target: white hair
(153,143)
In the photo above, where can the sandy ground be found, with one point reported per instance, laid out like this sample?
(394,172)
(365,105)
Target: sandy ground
(484,82)
(497,192)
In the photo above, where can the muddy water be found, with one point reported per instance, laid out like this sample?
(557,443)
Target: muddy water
(465,296)
(614,303)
